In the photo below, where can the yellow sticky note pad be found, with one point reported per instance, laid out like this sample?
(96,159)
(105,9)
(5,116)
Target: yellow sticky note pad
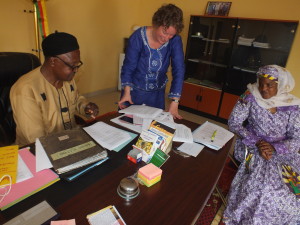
(8,163)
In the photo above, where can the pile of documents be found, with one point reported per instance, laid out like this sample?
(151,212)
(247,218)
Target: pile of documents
(261,44)
(144,115)
(212,135)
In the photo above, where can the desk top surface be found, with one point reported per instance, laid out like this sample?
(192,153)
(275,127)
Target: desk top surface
(178,198)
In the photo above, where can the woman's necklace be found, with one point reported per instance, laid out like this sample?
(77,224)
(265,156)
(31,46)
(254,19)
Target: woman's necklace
(273,110)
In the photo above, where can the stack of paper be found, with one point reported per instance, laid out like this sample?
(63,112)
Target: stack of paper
(261,44)
(245,41)
(108,136)
(212,135)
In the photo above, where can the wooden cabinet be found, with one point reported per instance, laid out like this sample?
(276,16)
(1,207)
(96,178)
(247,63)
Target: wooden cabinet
(227,104)
(223,55)
(200,98)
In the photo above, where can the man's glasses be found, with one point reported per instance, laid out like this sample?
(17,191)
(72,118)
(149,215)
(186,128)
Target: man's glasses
(72,67)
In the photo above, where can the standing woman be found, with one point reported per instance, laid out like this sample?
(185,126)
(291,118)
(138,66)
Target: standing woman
(148,56)
(266,188)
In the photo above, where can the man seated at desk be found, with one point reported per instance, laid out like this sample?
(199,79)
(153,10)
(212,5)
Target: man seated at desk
(46,99)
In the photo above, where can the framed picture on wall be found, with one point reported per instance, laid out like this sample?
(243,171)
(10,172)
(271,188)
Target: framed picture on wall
(218,8)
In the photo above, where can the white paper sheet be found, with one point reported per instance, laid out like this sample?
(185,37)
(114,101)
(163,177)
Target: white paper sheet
(142,111)
(144,123)
(136,128)
(192,149)
(183,134)
(165,117)
(24,172)
(41,158)
(107,136)
(206,131)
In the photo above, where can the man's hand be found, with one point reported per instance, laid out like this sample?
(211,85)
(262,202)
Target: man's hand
(91,110)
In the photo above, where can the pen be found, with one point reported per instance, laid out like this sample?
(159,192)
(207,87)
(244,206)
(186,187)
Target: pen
(213,136)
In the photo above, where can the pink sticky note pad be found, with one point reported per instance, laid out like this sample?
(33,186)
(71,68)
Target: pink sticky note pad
(150,171)
(63,222)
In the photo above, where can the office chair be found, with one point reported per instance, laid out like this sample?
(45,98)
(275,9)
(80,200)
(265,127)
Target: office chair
(12,66)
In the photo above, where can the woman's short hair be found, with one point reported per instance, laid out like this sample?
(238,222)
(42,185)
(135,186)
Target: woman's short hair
(168,15)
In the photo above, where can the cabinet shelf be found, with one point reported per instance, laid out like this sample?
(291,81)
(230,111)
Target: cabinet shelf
(244,69)
(205,83)
(281,50)
(207,62)
(220,40)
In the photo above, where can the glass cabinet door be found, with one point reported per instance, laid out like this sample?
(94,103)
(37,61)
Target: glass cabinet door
(209,49)
(257,43)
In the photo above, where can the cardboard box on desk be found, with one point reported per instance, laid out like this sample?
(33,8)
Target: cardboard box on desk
(135,155)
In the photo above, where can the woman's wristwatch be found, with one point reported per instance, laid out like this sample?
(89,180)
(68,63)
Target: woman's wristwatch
(175,100)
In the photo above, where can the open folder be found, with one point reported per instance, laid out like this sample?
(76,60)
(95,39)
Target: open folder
(26,188)
(212,135)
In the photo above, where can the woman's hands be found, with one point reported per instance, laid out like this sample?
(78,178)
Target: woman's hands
(125,98)
(91,110)
(173,109)
(266,150)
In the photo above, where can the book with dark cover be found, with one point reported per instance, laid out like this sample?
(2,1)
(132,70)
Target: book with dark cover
(71,149)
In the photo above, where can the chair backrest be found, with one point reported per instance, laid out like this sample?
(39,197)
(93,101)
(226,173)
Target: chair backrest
(12,66)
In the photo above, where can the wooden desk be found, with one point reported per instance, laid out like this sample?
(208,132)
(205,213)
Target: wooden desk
(178,198)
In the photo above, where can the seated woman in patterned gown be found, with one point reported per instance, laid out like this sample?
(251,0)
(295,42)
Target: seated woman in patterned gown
(266,188)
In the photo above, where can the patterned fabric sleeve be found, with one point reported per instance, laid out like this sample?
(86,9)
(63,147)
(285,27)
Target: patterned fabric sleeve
(131,58)
(240,114)
(292,143)
(178,68)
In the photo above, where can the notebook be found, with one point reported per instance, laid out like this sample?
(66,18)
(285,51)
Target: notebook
(71,149)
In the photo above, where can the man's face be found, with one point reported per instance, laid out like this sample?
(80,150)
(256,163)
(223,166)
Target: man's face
(66,65)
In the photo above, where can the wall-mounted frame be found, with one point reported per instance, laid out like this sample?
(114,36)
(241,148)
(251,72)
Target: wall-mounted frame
(218,8)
